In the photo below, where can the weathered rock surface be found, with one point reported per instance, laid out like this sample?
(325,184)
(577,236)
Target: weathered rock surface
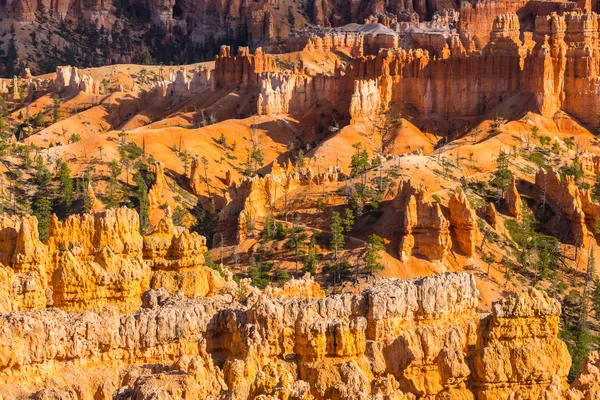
(426,230)
(513,201)
(251,201)
(403,339)
(69,78)
(460,82)
(25,265)
(156,192)
(176,257)
(566,198)
(463,223)
(353,39)
(100,259)
(241,69)
(491,215)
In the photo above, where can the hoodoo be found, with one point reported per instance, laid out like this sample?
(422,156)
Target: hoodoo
(299,200)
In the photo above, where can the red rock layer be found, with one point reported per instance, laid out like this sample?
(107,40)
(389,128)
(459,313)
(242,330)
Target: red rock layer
(243,68)
(561,73)
(478,17)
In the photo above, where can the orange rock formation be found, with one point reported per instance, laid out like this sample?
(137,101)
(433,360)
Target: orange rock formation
(408,339)
(426,230)
(566,198)
(249,203)
(513,201)
(100,259)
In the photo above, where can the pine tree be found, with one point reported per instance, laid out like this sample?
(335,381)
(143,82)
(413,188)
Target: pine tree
(311,263)
(112,200)
(360,161)
(84,194)
(66,187)
(222,141)
(55,107)
(503,174)
(596,298)
(207,221)
(142,197)
(42,209)
(296,239)
(42,205)
(260,274)
(268,228)
(337,234)
(373,255)
(596,188)
(581,347)
(348,220)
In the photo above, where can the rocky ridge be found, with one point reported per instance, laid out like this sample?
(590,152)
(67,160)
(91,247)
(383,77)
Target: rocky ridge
(571,203)
(405,339)
(94,260)
(427,226)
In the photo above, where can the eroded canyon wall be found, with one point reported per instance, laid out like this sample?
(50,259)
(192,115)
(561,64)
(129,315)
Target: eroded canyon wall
(100,259)
(560,72)
(404,339)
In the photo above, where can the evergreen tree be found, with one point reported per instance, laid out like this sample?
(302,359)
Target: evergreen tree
(222,141)
(268,231)
(503,174)
(360,161)
(596,298)
(112,200)
(142,197)
(348,220)
(66,187)
(596,188)
(42,205)
(300,157)
(42,209)
(207,222)
(581,347)
(55,107)
(260,275)
(575,170)
(281,277)
(296,238)
(373,255)
(337,234)
(311,262)
(83,190)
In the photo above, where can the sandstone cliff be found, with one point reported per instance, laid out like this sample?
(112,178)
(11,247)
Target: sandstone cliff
(251,201)
(463,223)
(559,72)
(513,201)
(25,264)
(94,260)
(241,69)
(430,229)
(426,230)
(398,339)
(566,198)
(69,79)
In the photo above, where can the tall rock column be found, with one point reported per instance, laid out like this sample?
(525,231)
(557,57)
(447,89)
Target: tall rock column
(519,343)
(545,66)
(426,230)
(513,201)
(365,103)
(463,223)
